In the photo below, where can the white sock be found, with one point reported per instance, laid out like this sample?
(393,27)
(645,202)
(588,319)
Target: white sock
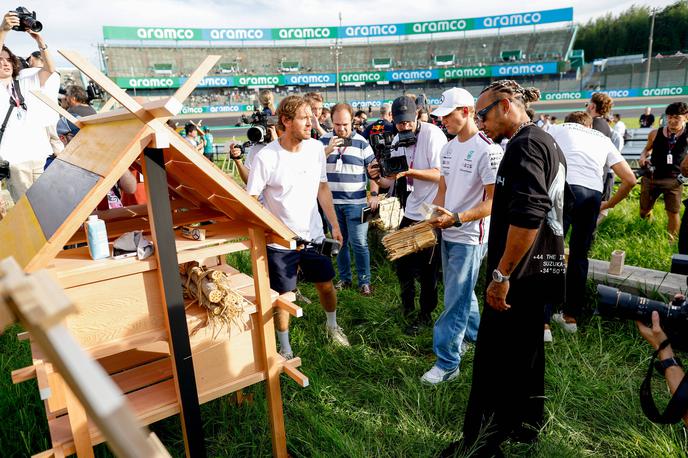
(283,337)
(331,319)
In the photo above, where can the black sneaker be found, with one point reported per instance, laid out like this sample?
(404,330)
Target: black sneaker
(341,284)
(419,325)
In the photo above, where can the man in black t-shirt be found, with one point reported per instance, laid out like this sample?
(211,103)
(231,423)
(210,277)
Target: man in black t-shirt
(665,151)
(647,119)
(526,265)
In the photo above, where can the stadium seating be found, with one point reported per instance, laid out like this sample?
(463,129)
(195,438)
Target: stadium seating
(406,53)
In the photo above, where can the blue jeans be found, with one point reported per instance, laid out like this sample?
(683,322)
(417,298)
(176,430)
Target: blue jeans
(461,316)
(355,234)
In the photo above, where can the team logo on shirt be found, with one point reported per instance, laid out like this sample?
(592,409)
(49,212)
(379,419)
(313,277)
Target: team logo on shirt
(500,180)
(469,156)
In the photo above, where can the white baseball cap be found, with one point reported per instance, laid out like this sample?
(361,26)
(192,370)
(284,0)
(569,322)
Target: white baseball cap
(452,99)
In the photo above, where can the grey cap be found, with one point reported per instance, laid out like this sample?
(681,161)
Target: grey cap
(403,109)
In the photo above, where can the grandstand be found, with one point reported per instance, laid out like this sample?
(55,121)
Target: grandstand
(532,46)
(630,71)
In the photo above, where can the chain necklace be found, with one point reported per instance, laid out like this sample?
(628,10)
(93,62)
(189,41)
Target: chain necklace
(525,124)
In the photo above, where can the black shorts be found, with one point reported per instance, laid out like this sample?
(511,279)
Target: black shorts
(283,267)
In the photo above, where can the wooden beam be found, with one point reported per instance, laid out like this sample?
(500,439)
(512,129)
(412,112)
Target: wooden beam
(293,309)
(267,357)
(107,106)
(78,422)
(173,300)
(40,95)
(295,374)
(190,84)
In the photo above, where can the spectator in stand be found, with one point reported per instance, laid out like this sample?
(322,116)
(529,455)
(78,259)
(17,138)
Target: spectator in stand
(665,150)
(347,179)
(76,99)
(588,154)
(315,100)
(267,102)
(647,119)
(383,124)
(24,143)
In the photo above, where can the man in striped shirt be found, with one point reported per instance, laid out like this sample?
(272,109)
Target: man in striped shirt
(348,155)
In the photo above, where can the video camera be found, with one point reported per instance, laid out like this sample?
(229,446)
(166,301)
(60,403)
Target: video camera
(328,247)
(647,171)
(259,132)
(382,147)
(673,316)
(27,21)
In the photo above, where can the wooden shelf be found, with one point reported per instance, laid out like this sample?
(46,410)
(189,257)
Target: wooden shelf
(75,267)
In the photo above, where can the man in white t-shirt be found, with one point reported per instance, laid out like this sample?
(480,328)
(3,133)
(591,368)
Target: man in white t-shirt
(24,143)
(464,200)
(588,152)
(289,174)
(422,179)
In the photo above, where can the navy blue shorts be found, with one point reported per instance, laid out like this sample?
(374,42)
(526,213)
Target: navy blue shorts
(283,267)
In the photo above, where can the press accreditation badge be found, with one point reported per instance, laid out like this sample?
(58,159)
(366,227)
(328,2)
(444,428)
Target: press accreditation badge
(338,165)
(21,114)
(670,159)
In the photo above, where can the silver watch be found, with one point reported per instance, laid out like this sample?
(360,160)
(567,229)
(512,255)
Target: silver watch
(499,277)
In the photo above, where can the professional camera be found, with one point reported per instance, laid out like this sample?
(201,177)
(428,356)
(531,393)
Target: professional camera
(673,316)
(259,132)
(382,147)
(647,171)
(328,247)
(27,21)
(682,179)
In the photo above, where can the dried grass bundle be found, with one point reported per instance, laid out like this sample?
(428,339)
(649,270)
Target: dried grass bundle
(409,240)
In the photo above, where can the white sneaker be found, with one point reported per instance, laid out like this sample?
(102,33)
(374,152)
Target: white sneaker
(436,375)
(336,335)
(568,327)
(287,355)
(548,336)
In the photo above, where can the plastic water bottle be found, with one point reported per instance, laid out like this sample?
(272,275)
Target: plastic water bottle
(96,234)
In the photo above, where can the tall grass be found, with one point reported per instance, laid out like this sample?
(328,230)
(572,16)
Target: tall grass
(367,400)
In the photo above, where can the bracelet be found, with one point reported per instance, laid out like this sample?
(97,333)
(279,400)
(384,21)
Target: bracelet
(44,47)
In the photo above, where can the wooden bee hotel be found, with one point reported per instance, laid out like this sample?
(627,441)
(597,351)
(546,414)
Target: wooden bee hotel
(166,351)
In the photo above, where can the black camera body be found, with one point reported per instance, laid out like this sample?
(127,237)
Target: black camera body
(259,132)
(673,316)
(27,20)
(328,247)
(345,142)
(646,171)
(382,147)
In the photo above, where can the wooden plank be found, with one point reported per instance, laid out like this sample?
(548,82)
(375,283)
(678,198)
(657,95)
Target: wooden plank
(295,375)
(79,426)
(135,357)
(117,309)
(23,336)
(638,280)
(268,359)
(211,251)
(293,309)
(195,78)
(21,235)
(249,209)
(58,398)
(108,105)
(57,192)
(42,379)
(215,234)
(40,95)
(172,300)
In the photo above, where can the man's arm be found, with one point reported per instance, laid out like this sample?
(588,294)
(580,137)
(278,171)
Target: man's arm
(325,200)
(647,151)
(8,21)
(48,63)
(482,210)
(432,174)
(441,191)
(628,181)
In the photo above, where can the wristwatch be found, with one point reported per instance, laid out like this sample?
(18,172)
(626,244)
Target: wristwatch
(373,194)
(499,277)
(665,364)
(458,222)
(44,47)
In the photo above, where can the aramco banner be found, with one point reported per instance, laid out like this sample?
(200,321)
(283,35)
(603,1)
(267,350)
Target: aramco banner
(178,34)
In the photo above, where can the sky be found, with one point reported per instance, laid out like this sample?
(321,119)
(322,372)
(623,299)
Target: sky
(77,24)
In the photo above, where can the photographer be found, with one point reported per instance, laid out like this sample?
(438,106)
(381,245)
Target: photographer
(661,159)
(24,142)
(290,175)
(248,151)
(266,99)
(348,154)
(383,124)
(655,336)
(422,179)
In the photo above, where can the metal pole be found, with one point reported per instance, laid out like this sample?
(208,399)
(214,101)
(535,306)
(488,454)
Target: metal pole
(337,48)
(649,49)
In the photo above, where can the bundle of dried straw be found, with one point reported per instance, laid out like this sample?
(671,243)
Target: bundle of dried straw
(409,240)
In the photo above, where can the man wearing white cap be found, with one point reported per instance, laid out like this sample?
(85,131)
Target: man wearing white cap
(464,200)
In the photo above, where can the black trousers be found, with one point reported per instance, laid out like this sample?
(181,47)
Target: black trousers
(424,266)
(683,232)
(583,221)
(507,390)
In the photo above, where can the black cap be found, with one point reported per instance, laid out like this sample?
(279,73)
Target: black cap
(403,109)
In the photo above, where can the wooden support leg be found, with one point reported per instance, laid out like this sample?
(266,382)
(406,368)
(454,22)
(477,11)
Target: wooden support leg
(267,349)
(173,300)
(78,422)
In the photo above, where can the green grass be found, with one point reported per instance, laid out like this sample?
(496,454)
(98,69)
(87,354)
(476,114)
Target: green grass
(367,400)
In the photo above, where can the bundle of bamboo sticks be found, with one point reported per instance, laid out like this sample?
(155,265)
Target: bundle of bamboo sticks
(409,240)
(211,289)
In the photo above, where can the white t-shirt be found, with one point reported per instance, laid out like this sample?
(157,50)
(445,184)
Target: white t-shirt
(425,154)
(251,152)
(26,138)
(289,185)
(587,153)
(620,128)
(467,168)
